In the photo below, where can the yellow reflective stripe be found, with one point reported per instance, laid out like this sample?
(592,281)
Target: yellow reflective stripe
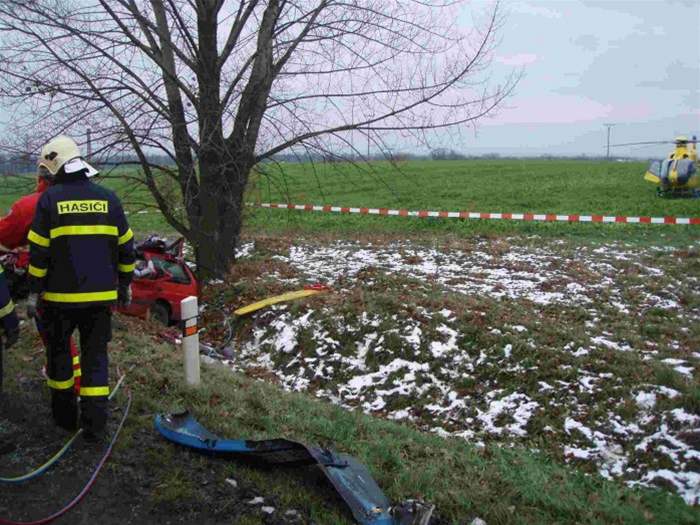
(84,230)
(60,385)
(80,297)
(126,268)
(7,309)
(126,237)
(38,239)
(77,373)
(76,360)
(94,390)
(37,272)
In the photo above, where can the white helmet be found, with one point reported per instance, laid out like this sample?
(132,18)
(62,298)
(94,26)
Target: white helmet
(63,152)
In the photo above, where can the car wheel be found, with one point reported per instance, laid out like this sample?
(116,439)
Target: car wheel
(160,312)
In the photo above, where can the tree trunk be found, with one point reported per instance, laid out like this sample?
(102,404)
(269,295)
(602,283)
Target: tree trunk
(221,201)
(222,173)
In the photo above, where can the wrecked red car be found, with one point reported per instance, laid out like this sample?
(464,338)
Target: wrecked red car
(161,280)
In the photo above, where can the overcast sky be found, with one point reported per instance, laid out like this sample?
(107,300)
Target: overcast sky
(635,63)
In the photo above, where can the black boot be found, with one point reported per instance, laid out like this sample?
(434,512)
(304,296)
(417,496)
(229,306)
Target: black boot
(93,417)
(64,408)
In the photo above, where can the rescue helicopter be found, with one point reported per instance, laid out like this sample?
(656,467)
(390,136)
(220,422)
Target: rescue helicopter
(678,175)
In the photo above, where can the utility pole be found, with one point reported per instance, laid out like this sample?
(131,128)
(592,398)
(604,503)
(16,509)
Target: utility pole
(369,132)
(89,143)
(609,126)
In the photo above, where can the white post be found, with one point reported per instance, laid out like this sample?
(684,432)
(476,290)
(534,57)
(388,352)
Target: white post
(190,339)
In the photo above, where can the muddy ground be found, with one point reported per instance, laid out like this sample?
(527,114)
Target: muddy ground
(135,485)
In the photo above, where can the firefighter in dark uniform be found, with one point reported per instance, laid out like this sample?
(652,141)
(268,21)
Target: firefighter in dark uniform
(8,320)
(81,264)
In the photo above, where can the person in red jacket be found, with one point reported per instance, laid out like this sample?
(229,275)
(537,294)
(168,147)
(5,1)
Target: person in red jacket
(14,228)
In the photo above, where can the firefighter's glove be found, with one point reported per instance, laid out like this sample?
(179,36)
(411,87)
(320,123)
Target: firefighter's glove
(124,296)
(11,337)
(32,301)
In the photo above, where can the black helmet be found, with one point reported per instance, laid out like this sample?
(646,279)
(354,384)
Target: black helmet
(152,243)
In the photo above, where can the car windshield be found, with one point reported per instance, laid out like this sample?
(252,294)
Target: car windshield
(175,269)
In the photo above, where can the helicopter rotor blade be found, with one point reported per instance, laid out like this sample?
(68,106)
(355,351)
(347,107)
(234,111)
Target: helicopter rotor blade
(650,142)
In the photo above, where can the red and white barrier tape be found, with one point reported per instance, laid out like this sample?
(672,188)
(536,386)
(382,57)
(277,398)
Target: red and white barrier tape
(542,217)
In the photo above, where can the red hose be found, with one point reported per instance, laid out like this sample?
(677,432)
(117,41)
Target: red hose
(87,486)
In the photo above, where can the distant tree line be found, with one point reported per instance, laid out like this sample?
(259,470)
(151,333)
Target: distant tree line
(25,163)
(16,164)
(19,164)
(438,154)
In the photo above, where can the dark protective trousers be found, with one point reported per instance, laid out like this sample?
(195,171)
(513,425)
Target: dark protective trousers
(75,355)
(94,325)
(1,369)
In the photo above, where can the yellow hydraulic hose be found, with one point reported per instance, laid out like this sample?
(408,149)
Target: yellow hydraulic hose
(289,296)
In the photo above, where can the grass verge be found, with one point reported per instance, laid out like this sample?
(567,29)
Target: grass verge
(499,485)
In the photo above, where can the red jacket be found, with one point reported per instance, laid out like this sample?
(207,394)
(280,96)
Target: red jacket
(14,226)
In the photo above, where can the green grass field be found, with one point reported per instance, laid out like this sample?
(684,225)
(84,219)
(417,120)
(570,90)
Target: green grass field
(624,291)
(538,186)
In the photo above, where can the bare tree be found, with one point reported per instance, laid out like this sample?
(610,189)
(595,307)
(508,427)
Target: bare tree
(221,85)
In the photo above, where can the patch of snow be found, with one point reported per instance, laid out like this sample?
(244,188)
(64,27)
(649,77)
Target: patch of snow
(645,400)
(244,250)
(605,451)
(684,370)
(687,484)
(438,348)
(682,416)
(399,414)
(602,341)
(545,387)
(426,377)
(577,453)
(414,337)
(587,383)
(507,350)
(580,352)
(447,314)
(673,361)
(518,406)
(670,393)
